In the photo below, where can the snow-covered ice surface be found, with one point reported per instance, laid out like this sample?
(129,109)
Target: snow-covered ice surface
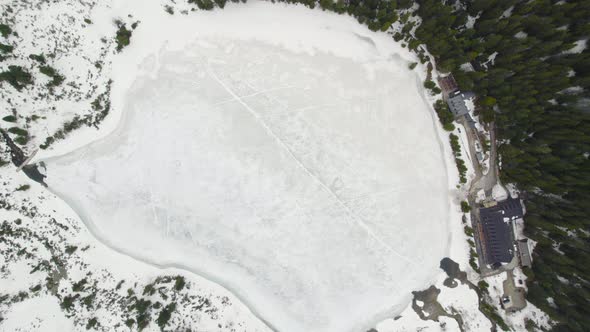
(293,160)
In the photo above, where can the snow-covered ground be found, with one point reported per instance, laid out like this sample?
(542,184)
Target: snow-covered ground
(48,258)
(37,314)
(295,164)
(410,322)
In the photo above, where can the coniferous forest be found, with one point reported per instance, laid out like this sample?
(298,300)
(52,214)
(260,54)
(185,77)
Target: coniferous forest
(536,91)
(533,82)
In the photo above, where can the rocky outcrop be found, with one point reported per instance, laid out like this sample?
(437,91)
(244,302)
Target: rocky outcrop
(18,158)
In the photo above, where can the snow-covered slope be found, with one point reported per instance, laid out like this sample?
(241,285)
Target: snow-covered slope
(58,37)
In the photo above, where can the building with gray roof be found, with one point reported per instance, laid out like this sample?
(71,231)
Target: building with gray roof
(524,253)
(456,102)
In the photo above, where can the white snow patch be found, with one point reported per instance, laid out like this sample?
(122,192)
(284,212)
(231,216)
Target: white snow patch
(492,58)
(471,21)
(507,13)
(465,153)
(512,190)
(464,300)
(573,90)
(499,193)
(578,48)
(518,319)
(39,314)
(467,67)
(470,104)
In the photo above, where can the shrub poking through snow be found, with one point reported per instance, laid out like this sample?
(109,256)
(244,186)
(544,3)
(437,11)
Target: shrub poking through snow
(473,264)
(24,187)
(57,79)
(179,283)
(4,48)
(465,208)
(18,131)
(454,140)
(38,57)
(91,323)
(100,107)
(203,4)
(17,77)
(483,285)
(491,313)
(165,315)
(70,249)
(123,37)
(48,70)
(67,303)
(429,84)
(79,286)
(468,231)
(5,30)
(444,115)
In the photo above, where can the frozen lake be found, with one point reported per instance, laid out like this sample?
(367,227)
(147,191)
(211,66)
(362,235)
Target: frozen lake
(299,168)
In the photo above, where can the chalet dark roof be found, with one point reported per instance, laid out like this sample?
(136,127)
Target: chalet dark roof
(497,240)
(512,208)
(448,84)
(496,230)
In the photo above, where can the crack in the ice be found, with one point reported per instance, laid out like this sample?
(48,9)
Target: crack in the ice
(350,213)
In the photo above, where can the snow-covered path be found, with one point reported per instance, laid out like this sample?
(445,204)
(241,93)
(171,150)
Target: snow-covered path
(320,200)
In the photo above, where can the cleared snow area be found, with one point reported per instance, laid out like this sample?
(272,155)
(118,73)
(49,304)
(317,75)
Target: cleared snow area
(286,154)
(499,193)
